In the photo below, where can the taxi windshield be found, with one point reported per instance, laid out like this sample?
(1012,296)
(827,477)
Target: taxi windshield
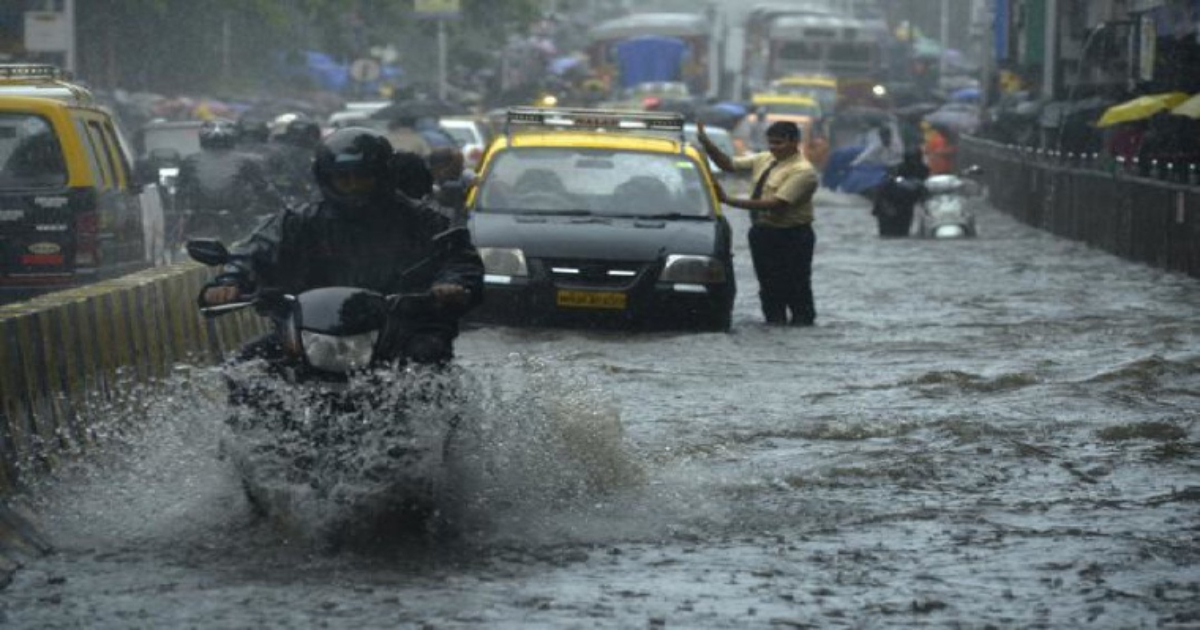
(30,156)
(594,182)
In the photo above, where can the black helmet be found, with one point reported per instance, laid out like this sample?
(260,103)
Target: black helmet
(253,129)
(299,130)
(353,167)
(218,133)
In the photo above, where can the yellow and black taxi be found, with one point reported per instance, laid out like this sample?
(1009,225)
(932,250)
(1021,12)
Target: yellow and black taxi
(594,216)
(70,209)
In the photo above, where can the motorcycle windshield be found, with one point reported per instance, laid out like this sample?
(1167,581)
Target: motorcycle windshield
(341,311)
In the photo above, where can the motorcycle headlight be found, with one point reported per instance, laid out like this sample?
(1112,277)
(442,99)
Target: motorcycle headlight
(501,264)
(693,269)
(949,231)
(338,354)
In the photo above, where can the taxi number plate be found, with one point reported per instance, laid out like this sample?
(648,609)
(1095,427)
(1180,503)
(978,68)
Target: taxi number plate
(610,300)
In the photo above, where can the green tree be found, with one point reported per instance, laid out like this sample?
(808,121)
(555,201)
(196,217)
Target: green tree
(239,45)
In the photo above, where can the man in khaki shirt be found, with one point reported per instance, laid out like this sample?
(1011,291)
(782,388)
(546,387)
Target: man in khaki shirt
(781,237)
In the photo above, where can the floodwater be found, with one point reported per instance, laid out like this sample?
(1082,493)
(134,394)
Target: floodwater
(989,433)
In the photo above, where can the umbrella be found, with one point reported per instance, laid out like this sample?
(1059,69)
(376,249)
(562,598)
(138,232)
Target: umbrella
(917,110)
(966,95)
(861,178)
(1140,108)
(956,119)
(562,65)
(1055,114)
(1189,108)
(732,108)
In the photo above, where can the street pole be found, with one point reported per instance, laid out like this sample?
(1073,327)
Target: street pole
(945,36)
(69,15)
(226,46)
(441,52)
(1050,52)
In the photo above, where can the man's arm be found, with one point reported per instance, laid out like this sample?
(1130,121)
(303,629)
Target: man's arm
(796,188)
(723,161)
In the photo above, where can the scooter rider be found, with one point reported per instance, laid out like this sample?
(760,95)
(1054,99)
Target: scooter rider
(361,234)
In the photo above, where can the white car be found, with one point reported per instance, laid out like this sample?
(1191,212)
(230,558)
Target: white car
(471,136)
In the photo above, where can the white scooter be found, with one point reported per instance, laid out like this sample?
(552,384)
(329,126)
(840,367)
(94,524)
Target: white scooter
(945,210)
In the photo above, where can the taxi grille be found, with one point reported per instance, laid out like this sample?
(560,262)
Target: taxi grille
(594,274)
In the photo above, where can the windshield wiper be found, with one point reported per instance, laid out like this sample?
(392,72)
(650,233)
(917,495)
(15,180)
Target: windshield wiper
(529,212)
(664,216)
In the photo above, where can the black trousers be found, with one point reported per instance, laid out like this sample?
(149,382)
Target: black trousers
(783,263)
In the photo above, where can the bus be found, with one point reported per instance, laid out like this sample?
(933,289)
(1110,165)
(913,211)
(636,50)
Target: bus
(791,39)
(697,69)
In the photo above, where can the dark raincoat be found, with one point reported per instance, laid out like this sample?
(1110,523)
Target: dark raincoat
(321,245)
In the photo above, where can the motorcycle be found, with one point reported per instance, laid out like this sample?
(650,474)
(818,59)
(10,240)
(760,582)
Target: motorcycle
(344,419)
(945,209)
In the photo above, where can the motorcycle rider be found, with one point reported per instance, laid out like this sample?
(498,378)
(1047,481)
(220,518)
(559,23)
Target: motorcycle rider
(222,179)
(296,137)
(361,233)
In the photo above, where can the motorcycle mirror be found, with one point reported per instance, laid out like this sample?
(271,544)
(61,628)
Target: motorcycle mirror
(208,251)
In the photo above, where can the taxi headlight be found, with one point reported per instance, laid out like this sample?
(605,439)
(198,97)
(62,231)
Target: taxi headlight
(503,261)
(693,269)
(338,354)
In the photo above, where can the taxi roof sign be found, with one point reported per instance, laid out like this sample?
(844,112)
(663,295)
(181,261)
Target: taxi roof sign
(42,81)
(31,71)
(595,120)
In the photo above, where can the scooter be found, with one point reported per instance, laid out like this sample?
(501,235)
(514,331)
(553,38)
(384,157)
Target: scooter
(345,412)
(945,208)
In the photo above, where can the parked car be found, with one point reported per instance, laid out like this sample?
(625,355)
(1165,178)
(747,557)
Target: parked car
(601,217)
(72,208)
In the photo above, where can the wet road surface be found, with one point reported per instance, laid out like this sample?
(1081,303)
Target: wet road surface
(999,432)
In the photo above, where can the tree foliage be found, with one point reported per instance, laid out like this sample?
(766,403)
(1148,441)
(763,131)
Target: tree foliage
(241,45)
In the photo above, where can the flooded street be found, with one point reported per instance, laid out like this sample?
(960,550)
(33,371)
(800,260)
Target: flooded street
(999,432)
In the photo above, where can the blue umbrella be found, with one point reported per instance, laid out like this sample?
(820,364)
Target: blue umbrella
(966,95)
(861,178)
(732,108)
(564,64)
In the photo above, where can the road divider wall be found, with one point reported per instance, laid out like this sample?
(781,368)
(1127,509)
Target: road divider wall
(1137,218)
(61,351)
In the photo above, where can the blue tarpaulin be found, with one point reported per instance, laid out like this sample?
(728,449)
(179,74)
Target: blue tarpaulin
(326,72)
(329,74)
(650,58)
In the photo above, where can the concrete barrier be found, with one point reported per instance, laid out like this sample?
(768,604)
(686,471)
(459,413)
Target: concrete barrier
(60,350)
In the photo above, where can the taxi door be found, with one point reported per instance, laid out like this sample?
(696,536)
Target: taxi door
(118,211)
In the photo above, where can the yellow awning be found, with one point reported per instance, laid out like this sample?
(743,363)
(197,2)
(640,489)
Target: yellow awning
(1140,108)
